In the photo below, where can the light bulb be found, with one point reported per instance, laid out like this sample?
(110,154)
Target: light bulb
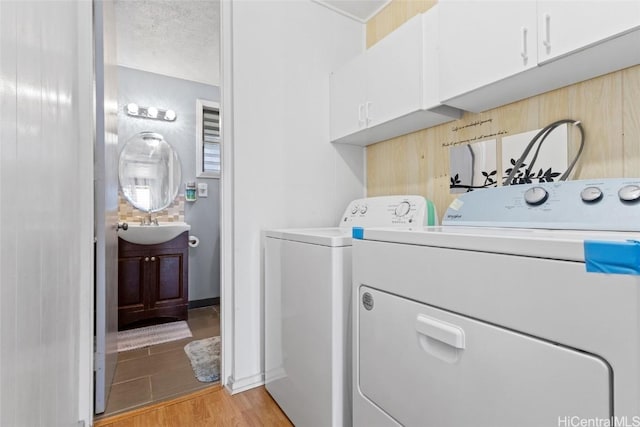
(132,109)
(170,115)
(152,112)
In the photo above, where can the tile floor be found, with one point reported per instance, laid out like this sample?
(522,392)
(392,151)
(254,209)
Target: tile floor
(151,374)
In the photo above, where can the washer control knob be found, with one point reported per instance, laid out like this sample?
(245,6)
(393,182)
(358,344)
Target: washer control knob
(403,209)
(629,193)
(535,196)
(363,210)
(354,210)
(591,195)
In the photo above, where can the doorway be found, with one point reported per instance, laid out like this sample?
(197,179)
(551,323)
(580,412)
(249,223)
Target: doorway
(167,57)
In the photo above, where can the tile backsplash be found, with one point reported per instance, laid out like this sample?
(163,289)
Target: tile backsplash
(174,213)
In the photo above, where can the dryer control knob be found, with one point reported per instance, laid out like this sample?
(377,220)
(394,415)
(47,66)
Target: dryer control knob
(354,210)
(629,193)
(403,209)
(363,210)
(591,195)
(536,196)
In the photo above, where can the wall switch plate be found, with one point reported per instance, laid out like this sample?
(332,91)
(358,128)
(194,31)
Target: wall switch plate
(203,189)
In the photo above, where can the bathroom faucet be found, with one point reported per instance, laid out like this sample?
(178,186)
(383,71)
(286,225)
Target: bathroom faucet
(148,220)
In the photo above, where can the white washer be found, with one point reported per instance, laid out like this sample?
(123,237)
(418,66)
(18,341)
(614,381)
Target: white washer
(477,324)
(307,309)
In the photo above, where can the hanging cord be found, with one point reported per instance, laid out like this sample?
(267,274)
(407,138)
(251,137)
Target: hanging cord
(542,135)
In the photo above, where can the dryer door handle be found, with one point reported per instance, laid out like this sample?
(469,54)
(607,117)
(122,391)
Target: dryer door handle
(441,331)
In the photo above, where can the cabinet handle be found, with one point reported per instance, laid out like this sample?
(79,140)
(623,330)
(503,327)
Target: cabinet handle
(547,32)
(524,52)
(146,259)
(367,112)
(360,114)
(153,258)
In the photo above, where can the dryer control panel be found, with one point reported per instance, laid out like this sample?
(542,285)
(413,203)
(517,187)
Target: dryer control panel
(389,211)
(604,204)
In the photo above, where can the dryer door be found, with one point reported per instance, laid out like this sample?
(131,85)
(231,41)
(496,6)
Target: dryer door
(427,367)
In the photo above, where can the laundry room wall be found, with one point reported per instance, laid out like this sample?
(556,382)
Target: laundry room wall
(418,163)
(286,173)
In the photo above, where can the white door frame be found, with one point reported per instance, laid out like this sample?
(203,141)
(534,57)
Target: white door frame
(226,195)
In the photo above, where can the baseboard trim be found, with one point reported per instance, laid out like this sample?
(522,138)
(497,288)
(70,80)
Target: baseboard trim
(204,302)
(244,384)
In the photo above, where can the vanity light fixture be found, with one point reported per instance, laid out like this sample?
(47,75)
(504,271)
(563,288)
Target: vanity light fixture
(136,110)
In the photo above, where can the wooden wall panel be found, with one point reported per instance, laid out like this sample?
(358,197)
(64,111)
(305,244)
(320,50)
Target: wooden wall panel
(392,16)
(418,163)
(631,120)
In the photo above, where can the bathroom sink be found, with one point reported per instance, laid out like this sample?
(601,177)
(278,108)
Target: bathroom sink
(153,234)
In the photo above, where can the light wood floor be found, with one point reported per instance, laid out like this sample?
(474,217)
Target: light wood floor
(211,407)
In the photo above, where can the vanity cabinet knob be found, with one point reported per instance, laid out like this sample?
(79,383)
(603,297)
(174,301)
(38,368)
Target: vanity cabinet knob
(153,258)
(146,259)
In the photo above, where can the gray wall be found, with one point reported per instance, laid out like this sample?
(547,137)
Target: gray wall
(149,89)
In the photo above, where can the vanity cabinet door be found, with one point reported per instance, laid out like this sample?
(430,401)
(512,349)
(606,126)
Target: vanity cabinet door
(169,281)
(131,294)
(152,282)
(563,29)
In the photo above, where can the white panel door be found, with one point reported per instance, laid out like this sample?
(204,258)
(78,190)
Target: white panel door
(482,42)
(46,213)
(565,27)
(394,78)
(428,367)
(106,203)
(348,93)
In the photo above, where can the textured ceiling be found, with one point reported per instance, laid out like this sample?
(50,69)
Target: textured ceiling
(178,38)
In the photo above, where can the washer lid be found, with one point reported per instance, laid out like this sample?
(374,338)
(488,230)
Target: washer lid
(333,236)
(552,244)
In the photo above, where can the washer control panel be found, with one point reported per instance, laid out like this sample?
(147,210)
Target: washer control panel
(607,204)
(389,211)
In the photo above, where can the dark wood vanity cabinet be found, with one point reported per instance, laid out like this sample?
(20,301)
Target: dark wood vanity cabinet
(152,282)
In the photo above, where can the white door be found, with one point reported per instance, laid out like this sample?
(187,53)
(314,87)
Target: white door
(348,98)
(565,29)
(482,42)
(106,202)
(394,77)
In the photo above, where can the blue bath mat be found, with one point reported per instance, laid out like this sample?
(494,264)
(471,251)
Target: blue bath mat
(205,358)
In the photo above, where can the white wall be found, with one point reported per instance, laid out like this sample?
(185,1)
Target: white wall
(46,213)
(286,173)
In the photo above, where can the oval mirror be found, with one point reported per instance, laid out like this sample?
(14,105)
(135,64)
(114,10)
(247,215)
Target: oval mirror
(149,172)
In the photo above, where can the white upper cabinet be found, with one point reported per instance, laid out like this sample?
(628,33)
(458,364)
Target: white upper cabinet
(483,42)
(392,88)
(496,52)
(394,74)
(565,27)
(348,98)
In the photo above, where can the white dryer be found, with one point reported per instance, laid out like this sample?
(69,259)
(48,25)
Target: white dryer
(483,322)
(307,308)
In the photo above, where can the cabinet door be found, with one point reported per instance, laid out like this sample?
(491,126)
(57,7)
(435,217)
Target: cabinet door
(347,98)
(482,42)
(168,284)
(564,28)
(130,278)
(394,77)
